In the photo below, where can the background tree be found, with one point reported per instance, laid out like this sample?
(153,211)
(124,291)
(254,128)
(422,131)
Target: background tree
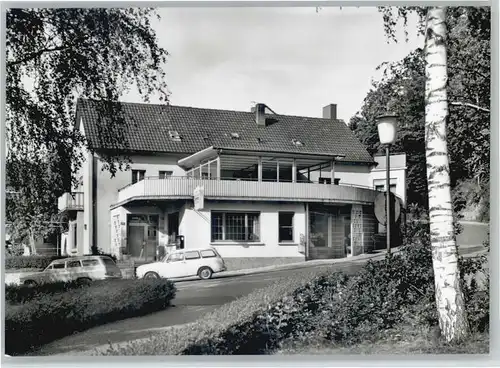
(402,87)
(54,56)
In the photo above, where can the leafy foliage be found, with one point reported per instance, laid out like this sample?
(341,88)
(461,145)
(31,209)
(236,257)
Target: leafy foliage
(55,55)
(31,324)
(17,294)
(401,90)
(39,262)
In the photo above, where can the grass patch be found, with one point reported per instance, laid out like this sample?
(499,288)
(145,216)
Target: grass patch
(403,340)
(58,313)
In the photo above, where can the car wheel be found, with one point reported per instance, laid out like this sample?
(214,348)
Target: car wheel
(205,273)
(84,281)
(151,275)
(30,283)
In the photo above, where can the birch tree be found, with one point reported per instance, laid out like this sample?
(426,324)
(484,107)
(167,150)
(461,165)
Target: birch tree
(449,297)
(450,303)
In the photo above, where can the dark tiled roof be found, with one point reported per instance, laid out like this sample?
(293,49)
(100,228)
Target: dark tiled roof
(148,126)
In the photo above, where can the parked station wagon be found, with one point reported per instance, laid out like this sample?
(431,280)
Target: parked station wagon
(83,269)
(203,262)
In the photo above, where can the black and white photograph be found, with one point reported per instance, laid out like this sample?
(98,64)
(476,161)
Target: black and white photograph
(271,180)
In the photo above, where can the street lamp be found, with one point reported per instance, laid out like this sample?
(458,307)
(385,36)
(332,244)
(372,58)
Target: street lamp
(387,126)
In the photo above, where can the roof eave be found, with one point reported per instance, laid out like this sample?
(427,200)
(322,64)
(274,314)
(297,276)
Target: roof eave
(198,157)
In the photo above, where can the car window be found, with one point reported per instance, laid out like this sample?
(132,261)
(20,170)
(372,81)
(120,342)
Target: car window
(208,253)
(191,255)
(58,265)
(176,257)
(90,262)
(73,264)
(108,262)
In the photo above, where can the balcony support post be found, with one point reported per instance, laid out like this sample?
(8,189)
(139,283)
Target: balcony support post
(294,171)
(277,170)
(259,169)
(218,167)
(332,171)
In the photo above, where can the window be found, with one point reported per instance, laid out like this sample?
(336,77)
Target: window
(208,253)
(192,255)
(285,227)
(176,257)
(238,226)
(58,265)
(381,187)
(108,262)
(174,135)
(325,180)
(165,174)
(336,181)
(73,264)
(138,175)
(90,262)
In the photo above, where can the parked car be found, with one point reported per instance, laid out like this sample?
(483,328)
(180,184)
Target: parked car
(202,262)
(83,269)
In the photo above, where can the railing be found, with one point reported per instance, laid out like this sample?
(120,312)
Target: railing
(250,189)
(70,201)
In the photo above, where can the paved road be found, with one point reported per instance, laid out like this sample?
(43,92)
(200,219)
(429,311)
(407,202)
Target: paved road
(195,298)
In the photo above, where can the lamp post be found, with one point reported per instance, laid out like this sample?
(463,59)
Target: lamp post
(387,129)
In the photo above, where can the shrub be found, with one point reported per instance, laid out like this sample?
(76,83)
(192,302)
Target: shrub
(52,316)
(16,294)
(39,262)
(229,325)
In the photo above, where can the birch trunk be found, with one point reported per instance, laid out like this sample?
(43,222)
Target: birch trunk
(449,297)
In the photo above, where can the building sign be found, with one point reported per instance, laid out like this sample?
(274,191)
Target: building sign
(199,198)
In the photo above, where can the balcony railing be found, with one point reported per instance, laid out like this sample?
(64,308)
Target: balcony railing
(70,201)
(183,187)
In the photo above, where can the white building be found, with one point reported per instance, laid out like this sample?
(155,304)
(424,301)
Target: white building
(262,188)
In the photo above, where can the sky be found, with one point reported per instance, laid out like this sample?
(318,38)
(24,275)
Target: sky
(295,60)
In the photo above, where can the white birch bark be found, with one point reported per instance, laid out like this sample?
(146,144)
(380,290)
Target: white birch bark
(449,297)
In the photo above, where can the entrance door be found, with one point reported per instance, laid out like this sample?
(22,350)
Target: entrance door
(136,240)
(173,227)
(347,236)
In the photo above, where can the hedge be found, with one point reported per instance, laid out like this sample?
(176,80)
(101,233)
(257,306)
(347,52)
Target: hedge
(55,315)
(36,262)
(216,323)
(15,294)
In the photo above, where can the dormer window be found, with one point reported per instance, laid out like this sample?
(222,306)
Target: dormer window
(235,136)
(297,143)
(174,135)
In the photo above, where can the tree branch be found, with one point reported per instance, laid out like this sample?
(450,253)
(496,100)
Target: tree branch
(466,104)
(36,54)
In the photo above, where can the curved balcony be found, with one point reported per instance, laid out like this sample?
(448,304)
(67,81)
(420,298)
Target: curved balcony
(183,188)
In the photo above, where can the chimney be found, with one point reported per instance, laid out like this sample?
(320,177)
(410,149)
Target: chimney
(260,114)
(330,112)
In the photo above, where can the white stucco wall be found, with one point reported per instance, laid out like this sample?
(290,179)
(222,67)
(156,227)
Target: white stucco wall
(196,228)
(107,188)
(397,174)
